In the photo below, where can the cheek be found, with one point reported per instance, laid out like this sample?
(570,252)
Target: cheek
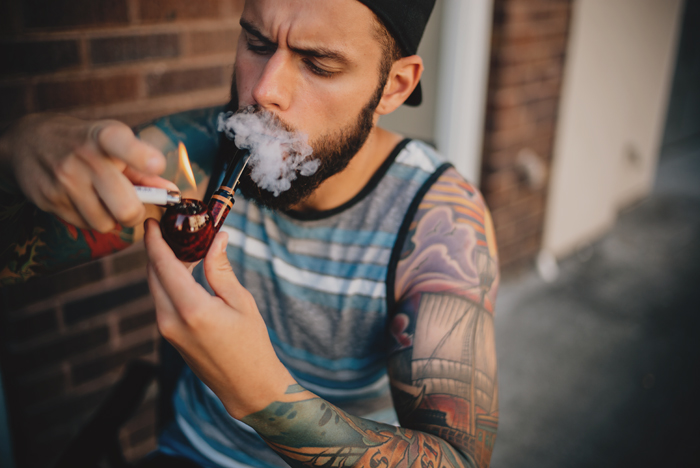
(329,106)
(247,72)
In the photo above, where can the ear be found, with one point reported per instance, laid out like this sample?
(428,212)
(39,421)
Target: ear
(403,78)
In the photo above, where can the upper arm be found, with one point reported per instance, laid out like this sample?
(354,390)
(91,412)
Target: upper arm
(443,366)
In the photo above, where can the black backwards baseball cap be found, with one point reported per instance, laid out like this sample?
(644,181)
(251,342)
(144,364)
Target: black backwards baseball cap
(405,20)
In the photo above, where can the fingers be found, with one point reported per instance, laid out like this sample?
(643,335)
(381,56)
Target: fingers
(74,178)
(220,275)
(116,139)
(182,290)
(138,178)
(166,315)
(118,195)
(117,150)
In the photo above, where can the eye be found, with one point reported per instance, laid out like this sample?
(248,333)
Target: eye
(260,49)
(316,70)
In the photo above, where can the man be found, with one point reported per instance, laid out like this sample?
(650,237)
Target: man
(373,281)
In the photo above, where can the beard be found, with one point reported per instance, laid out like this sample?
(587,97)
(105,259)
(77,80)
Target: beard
(334,151)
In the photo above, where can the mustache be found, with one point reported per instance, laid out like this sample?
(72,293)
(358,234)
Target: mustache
(270,117)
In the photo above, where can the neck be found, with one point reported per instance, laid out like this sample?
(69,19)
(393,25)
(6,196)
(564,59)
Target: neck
(342,187)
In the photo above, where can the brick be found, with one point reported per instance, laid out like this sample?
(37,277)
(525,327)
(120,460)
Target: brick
(528,72)
(523,94)
(88,307)
(142,435)
(137,322)
(499,181)
(535,30)
(20,295)
(502,198)
(235,7)
(497,160)
(531,10)
(519,52)
(210,42)
(38,56)
(129,261)
(32,326)
(111,50)
(75,408)
(180,81)
(92,91)
(58,350)
(74,13)
(520,136)
(41,390)
(14,102)
(27,455)
(173,10)
(99,367)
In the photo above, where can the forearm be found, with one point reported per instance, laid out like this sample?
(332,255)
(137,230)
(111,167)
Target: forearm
(313,432)
(36,243)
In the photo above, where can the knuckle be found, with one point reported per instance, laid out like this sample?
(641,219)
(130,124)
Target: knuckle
(105,226)
(165,327)
(192,318)
(64,171)
(130,215)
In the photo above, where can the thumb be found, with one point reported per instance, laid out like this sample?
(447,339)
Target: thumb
(219,273)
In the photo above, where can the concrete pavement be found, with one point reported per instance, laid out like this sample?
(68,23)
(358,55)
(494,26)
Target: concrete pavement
(602,367)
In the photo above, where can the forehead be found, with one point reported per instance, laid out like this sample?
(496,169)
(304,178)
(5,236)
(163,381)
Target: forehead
(344,25)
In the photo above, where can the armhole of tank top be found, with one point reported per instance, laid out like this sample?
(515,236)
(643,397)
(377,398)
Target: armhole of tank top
(403,233)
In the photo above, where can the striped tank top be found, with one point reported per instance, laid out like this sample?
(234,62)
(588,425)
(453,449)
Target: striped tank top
(320,283)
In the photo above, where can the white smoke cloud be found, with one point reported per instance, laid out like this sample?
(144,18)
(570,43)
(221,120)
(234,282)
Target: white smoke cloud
(276,154)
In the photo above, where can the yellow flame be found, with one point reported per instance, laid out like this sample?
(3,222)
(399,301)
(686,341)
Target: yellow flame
(185,165)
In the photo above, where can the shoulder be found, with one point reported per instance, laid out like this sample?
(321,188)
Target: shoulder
(197,129)
(449,245)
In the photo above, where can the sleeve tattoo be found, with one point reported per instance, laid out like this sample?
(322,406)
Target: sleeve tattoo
(443,371)
(443,365)
(35,243)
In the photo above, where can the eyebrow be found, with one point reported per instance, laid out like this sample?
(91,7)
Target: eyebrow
(318,52)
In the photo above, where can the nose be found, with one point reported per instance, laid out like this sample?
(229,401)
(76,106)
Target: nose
(273,88)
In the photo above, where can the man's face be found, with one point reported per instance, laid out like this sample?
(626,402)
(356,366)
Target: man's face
(315,65)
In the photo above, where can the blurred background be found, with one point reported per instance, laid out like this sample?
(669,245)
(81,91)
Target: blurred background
(578,119)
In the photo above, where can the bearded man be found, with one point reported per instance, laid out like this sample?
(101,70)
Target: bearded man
(346,321)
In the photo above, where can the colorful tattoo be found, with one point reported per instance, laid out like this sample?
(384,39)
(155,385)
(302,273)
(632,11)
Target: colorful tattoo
(36,243)
(296,388)
(443,369)
(443,365)
(315,433)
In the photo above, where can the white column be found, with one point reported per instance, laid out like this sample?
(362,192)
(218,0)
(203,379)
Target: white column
(463,73)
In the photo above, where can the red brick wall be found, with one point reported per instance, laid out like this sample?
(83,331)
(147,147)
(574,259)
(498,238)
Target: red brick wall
(527,60)
(127,59)
(65,339)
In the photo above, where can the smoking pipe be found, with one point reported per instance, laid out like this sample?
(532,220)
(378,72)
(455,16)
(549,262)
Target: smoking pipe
(189,227)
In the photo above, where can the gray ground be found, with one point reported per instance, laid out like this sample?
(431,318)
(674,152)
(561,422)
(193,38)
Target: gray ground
(602,367)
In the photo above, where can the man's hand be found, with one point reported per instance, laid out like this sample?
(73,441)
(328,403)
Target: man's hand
(81,171)
(222,338)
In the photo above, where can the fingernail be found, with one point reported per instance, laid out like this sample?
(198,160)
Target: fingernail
(224,242)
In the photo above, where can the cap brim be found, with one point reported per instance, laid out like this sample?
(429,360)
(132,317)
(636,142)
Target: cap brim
(416,97)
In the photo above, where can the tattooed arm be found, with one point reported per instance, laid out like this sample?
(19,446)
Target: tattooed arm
(443,368)
(65,186)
